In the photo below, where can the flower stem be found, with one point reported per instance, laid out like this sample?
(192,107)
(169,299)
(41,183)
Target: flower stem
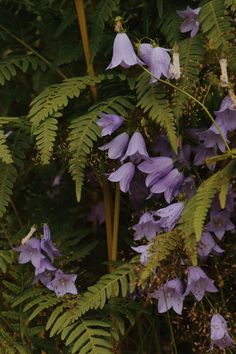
(171,332)
(28,47)
(116,223)
(108,218)
(196,100)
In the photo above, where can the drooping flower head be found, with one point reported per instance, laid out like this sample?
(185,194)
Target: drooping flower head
(169,215)
(156,168)
(109,123)
(219,333)
(170,295)
(45,265)
(117,146)
(30,252)
(219,223)
(144,51)
(63,283)
(191,22)
(123,52)
(199,283)
(123,175)
(147,227)
(159,63)
(136,150)
(47,245)
(207,245)
(226,115)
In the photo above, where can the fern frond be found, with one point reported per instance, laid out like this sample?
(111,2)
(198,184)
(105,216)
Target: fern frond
(170,24)
(231,4)
(91,337)
(161,248)
(46,136)
(8,176)
(84,132)
(5,154)
(215,24)
(120,282)
(9,66)
(6,258)
(102,13)
(157,106)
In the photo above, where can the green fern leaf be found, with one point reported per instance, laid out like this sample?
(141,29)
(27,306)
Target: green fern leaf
(157,106)
(102,13)
(5,154)
(215,24)
(170,23)
(84,132)
(8,176)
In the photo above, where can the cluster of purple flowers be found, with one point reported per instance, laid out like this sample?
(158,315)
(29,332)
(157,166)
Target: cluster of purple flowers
(41,253)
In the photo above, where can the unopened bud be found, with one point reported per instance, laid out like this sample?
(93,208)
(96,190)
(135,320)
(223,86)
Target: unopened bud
(29,235)
(224,75)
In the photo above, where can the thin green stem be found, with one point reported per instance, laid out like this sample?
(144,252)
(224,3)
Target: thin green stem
(28,47)
(194,99)
(108,218)
(171,333)
(116,223)
(17,215)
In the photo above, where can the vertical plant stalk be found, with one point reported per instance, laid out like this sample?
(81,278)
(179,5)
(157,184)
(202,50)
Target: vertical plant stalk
(116,224)
(79,4)
(108,218)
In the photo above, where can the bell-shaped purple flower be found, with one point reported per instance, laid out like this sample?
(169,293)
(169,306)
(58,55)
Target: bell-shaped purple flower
(188,187)
(144,51)
(226,115)
(169,185)
(211,138)
(147,227)
(170,295)
(143,250)
(30,252)
(219,332)
(191,22)
(207,245)
(123,175)
(63,283)
(45,278)
(136,150)
(45,265)
(159,63)
(219,223)
(199,283)
(202,154)
(109,123)
(123,52)
(47,245)
(156,168)
(117,146)
(169,215)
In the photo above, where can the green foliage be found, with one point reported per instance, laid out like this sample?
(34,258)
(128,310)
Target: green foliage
(9,66)
(155,103)
(8,176)
(216,25)
(6,258)
(5,154)
(84,132)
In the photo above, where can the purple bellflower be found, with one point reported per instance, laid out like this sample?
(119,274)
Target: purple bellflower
(156,168)
(219,333)
(45,278)
(63,283)
(147,227)
(136,148)
(207,245)
(97,213)
(199,283)
(47,245)
(226,116)
(169,185)
(159,63)
(109,123)
(123,175)
(170,295)
(219,223)
(117,146)
(144,51)
(191,22)
(123,52)
(169,215)
(45,265)
(162,146)
(211,138)
(201,155)
(143,250)
(188,187)
(30,252)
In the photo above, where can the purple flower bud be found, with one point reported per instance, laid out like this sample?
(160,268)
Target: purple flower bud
(123,52)
(30,252)
(136,149)
(117,146)
(191,22)
(63,283)
(47,244)
(123,175)
(198,283)
(219,332)
(159,63)
(220,223)
(146,227)
(109,123)
(169,215)
(170,295)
